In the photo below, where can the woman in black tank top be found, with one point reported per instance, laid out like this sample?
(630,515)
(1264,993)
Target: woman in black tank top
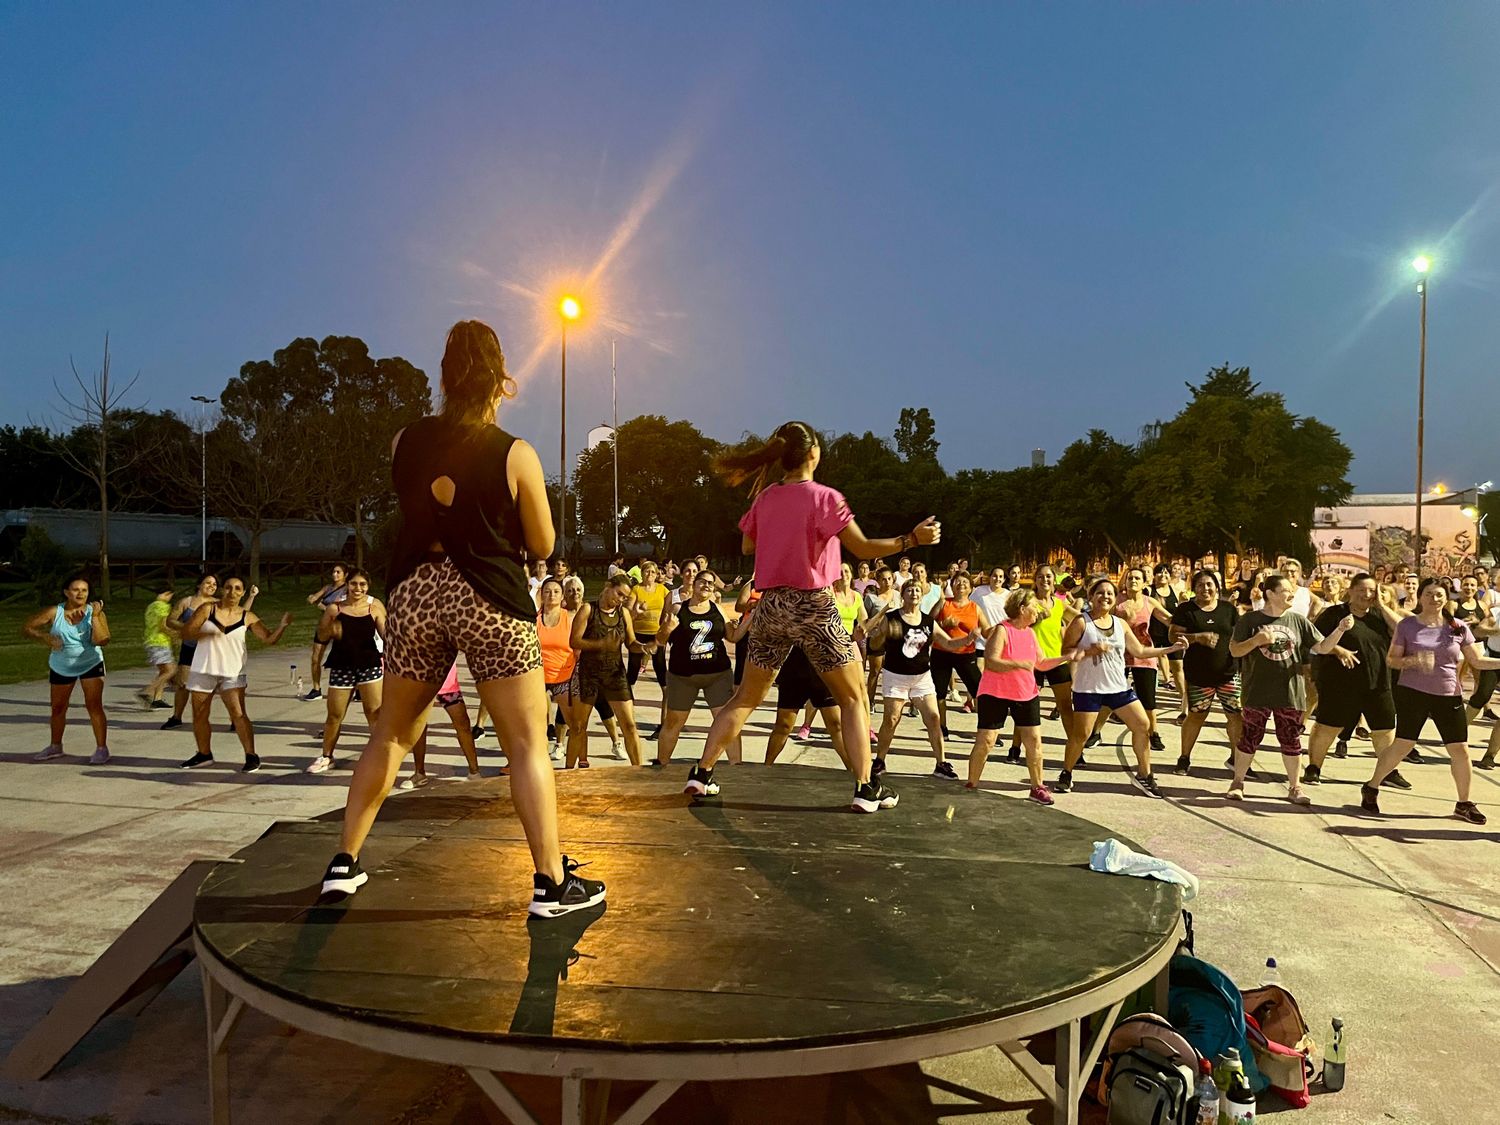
(601,631)
(697,663)
(473,505)
(348,631)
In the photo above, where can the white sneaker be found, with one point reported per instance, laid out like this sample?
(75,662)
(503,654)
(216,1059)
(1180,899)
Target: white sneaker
(101,757)
(616,750)
(556,752)
(472,775)
(47,755)
(319,765)
(415,781)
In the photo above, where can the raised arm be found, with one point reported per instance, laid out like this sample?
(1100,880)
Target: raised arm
(194,628)
(99,625)
(1326,646)
(927,532)
(258,627)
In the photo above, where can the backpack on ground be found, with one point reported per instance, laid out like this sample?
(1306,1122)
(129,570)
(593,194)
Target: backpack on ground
(1280,1041)
(1206,1007)
(1149,1072)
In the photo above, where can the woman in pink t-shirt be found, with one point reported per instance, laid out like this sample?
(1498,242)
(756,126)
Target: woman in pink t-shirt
(794,528)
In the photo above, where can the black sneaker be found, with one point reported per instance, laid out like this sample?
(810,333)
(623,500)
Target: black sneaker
(476,731)
(1146,783)
(656,763)
(553,900)
(877,768)
(1014,757)
(172,721)
(1312,775)
(1091,741)
(1415,758)
(1396,781)
(310,696)
(1485,763)
(1468,810)
(160,705)
(252,763)
(1184,766)
(701,783)
(197,760)
(872,797)
(1341,750)
(1157,745)
(344,875)
(654,733)
(1064,782)
(1369,799)
(946,771)
(947,734)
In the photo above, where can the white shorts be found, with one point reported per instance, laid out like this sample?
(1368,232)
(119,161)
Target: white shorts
(207,683)
(893,685)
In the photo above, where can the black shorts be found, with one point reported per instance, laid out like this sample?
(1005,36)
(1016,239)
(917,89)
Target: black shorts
(1342,708)
(1144,682)
(1414,708)
(1062,674)
(797,685)
(993,712)
(94,673)
(945,664)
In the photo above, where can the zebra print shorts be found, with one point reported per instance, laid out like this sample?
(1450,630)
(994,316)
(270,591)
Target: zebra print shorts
(808,619)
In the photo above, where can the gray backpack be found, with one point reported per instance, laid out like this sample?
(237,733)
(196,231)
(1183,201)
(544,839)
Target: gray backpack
(1146,1088)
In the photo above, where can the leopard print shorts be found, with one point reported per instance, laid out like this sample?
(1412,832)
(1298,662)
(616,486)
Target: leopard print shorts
(434,614)
(808,619)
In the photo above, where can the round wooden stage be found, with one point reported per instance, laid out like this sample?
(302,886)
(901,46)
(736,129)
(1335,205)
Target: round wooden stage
(764,933)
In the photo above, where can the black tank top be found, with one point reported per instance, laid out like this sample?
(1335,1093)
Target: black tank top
(908,648)
(480,530)
(601,628)
(697,644)
(354,648)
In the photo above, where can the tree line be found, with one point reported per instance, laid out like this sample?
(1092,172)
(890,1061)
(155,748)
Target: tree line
(306,434)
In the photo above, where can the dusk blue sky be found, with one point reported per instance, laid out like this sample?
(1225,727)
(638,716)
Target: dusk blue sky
(1033,219)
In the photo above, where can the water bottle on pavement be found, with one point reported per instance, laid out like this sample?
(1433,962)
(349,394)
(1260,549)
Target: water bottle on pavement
(299,686)
(1335,1058)
(1240,1099)
(1207,1112)
(291,676)
(1229,1065)
(1272,975)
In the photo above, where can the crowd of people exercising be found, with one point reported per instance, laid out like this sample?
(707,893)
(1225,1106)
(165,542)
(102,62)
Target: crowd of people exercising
(824,620)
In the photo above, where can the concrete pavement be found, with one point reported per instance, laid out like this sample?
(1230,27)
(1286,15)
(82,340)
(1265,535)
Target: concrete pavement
(1392,924)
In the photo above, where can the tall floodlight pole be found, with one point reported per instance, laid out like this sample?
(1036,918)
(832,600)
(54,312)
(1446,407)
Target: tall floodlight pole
(614,407)
(568,309)
(1422,263)
(203,478)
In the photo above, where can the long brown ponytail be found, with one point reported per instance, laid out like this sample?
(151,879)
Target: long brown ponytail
(788,448)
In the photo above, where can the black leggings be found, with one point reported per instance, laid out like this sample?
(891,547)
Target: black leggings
(1484,688)
(1144,682)
(601,708)
(658,666)
(945,664)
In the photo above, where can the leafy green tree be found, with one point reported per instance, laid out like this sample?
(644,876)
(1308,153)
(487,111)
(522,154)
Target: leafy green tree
(1236,469)
(1087,507)
(916,436)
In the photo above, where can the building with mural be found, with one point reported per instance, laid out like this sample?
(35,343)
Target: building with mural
(1375,529)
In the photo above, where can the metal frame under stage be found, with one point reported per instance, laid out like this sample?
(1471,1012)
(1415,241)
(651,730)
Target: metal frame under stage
(587,1074)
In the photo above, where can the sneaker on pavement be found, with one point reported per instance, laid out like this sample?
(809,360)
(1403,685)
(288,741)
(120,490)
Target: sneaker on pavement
(197,760)
(946,771)
(51,751)
(616,751)
(555,752)
(1312,775)
(1295,795)
(877,767)
(700,782)
(1091,741)
(804,732)
(1014,757)
(319,764)
(1341,749)
(553,900)
(1485,763)
(874,739)
(252,763)
(160,705)
(1184,766)
(1414,757)
(1396,781)
(1369,799)
(873,796)
(653,734)
(415,781)
(1468,810)
(1040,795)
(476,731)
(100,757)
(1064,782)
(344,875)
(310,696)
(471,775)
(172,721)
(1157,745)
(1146,783)
(1236,793)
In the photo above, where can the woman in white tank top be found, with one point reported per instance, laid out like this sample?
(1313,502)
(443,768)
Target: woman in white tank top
(1097,643)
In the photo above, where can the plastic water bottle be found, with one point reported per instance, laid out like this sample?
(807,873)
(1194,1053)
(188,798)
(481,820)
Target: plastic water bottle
(291,676)
(1208,1097)
(1335,1058)
(1272,975)
(299,686)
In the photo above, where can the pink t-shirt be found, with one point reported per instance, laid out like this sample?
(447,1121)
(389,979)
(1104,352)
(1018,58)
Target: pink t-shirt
(1018,684)
(796,531)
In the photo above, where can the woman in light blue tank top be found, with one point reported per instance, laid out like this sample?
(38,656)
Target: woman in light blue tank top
(75,631)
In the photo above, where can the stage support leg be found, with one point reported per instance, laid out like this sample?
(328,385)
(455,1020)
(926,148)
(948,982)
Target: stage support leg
(499,1093)
(1071,1066)
(223,1013)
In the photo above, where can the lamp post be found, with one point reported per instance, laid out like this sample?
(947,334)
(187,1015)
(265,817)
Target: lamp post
(614,423)
(568,309)
(203,478)
(1421,263)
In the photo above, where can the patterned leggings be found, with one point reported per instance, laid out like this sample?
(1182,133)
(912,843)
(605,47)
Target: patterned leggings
(1288,722)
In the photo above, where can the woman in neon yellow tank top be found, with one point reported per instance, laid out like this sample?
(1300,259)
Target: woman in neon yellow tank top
(1054,614)
(647,600)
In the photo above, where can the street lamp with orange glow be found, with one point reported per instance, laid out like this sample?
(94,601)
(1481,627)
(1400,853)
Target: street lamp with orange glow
(1422,264)
(568,309)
